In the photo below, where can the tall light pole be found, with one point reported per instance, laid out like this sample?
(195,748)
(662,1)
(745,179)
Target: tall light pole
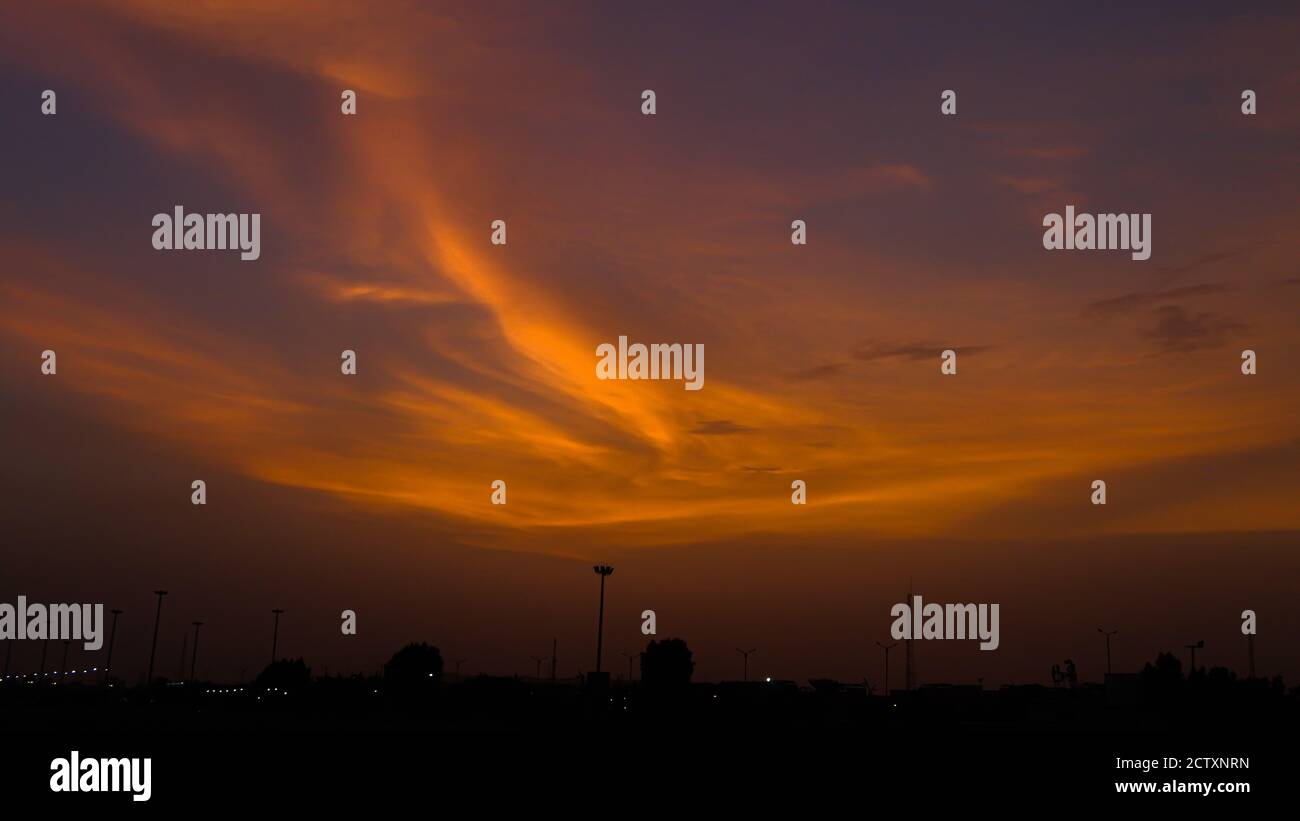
(602,570)
(537,674)
(194,659)
(630,657)
(1107,634)
(887,648)
(746,653)
(1194,647)
(185,651)
(112,634)
(909,670)
(153,649)
(275,633)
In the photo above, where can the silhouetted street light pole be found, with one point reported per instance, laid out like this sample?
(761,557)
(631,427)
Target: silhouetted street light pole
(112,634)
(275,633)
(538,659)
(887,648)
(1194,647)
(630,657)
(185,651)
(153,649)
(746,653)
(602,570)
(1107,634)
(194,659)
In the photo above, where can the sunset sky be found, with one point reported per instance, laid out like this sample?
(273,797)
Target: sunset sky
(477,362)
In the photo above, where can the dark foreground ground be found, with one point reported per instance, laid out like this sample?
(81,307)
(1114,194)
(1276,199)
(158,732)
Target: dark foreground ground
(489,744)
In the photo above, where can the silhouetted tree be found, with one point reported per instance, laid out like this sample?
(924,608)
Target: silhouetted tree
(415,667)
(667,664)
(1221,677)
(1162,683)
(286,674)
(1167,669)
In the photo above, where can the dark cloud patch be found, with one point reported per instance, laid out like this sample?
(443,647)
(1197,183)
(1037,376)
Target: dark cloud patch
(876,351)
(1204,259)
(1106,308)
(720,427)
(1177,331)
(749,469)
(820,372)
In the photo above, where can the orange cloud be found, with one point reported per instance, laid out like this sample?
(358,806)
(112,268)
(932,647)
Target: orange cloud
(479,361)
